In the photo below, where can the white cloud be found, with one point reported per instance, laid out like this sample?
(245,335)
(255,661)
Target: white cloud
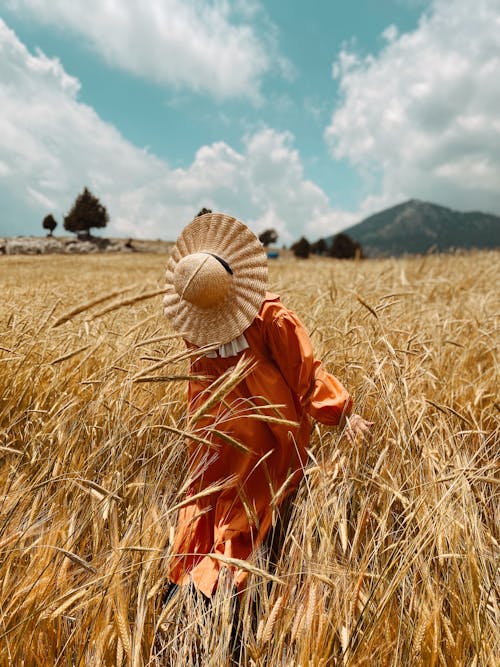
(218,47)
(265,185)
(52,145)
(424,112)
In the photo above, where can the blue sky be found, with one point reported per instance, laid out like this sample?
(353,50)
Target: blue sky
(305,117)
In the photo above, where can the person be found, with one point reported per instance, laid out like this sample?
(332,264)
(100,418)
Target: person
(255,386)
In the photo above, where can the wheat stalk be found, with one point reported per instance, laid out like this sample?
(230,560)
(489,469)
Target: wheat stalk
(391,552)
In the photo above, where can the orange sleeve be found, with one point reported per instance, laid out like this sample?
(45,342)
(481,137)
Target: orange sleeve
(319,392)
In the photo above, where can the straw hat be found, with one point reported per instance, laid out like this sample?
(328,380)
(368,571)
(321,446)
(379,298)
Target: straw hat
(216,280)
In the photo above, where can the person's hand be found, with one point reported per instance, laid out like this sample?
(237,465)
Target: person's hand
(358,429)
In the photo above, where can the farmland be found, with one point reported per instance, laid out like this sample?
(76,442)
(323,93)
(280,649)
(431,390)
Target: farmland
(391,554)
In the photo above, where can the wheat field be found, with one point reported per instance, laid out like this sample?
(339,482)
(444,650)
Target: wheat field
(392,550)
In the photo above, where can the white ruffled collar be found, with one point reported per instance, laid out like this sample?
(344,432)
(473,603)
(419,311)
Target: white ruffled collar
(230,349)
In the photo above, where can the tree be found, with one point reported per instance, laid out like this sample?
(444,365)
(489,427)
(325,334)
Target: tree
(49,223)
(203,211)
(319,247)
(268,236)
(86,212)
(344,247)
(301,248)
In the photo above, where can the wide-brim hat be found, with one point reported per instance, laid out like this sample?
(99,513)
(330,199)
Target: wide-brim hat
(216,280)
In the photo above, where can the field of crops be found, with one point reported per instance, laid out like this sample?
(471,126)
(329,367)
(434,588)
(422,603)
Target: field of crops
(392,551)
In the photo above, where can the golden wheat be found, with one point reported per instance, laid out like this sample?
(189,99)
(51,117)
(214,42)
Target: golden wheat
(392,551)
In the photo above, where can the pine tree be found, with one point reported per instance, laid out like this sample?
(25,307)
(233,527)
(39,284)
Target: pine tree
(49,223)
(86,212)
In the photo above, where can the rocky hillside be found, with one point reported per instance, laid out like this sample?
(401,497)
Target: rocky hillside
(419,227)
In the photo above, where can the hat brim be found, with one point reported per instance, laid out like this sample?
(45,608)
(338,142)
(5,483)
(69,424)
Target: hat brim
(230,239)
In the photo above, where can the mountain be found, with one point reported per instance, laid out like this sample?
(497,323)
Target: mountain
(418,227)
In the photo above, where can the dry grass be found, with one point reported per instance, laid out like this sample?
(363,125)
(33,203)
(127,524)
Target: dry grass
(391,556)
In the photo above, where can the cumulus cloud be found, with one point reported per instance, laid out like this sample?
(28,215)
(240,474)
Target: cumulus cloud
(423,114)
(265,186)
(52,145)
(217,47)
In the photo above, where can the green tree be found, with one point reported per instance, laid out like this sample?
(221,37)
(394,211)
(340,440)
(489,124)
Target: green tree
(344,247)
(86,212)
(268,236)
(301,248)
(203,211)
(319,247)
(49,223)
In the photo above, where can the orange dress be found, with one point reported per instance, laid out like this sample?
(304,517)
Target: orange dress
(234,519)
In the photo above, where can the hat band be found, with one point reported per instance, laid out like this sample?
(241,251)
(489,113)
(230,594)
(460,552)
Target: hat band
(221,261)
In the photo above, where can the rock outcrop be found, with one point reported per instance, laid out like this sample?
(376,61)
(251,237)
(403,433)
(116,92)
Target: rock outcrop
(39,245)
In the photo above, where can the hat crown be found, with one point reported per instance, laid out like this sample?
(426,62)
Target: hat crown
(216,280)
(201,279)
